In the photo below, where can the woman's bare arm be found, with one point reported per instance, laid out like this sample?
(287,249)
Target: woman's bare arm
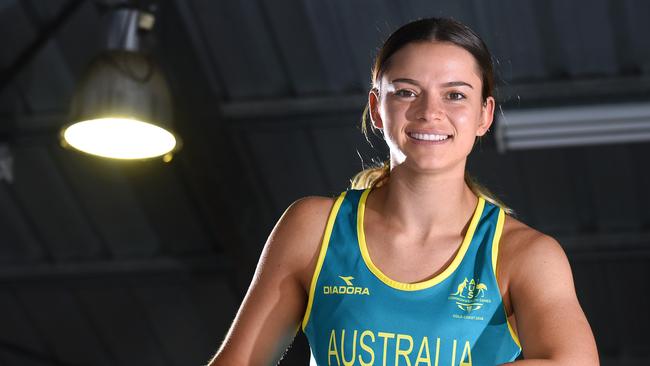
(552,327)
(274,305)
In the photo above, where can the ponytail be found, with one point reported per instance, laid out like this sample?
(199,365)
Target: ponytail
(371,177)
(480,191)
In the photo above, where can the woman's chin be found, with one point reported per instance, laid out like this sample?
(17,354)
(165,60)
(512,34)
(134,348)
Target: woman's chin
(428,167)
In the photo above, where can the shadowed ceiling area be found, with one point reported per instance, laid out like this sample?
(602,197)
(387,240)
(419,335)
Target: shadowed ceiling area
(119,263)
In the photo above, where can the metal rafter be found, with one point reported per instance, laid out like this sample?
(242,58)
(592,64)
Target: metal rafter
(45,34)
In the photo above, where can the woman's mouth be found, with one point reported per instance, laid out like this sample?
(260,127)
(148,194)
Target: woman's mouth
(428,137)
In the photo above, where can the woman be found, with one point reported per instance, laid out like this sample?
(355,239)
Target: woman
(422,267)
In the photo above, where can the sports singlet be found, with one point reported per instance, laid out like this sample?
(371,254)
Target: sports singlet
(356,315)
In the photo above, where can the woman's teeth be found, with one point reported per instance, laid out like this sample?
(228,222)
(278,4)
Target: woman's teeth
(428,137)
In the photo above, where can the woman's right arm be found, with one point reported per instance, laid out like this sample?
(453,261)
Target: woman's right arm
(274,305)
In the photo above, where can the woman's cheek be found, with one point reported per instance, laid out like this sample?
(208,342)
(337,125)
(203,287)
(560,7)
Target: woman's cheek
(462,116)
(458,108)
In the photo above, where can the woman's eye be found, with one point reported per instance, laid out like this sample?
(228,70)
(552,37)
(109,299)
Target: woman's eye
(456,96)
(404,93)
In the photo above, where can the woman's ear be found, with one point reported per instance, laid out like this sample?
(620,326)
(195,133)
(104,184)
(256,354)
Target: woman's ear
(487,116)
(373,106)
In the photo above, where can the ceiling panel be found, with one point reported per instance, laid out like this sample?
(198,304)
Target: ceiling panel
(11,103)
(56,312)
(17,357)
(216,306)
(549,189)
(331,38)
(248,69)
(53,206)
(19,242)
(183,337)
(122,325)
(16,31)
(632,26)
(585,38)
(466,11)
(171,209)
(586,274)
(344,152)
(47,82)
(82,35)
(641,179)
(623,303)
(110,203)
(516,42)
(290,167)
(610,169)
(502,175)
(295,39)
(41,12)
(19,339)
(364,23)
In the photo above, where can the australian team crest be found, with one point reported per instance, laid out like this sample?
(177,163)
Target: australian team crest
(470,295)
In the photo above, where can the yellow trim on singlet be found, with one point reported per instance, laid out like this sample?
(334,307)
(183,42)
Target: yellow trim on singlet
(321,256)
(495,254)
(427,283)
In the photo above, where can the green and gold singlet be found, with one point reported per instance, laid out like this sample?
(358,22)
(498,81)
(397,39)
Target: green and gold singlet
(356,315)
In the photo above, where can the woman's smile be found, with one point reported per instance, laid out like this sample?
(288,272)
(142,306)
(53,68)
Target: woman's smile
(428,139)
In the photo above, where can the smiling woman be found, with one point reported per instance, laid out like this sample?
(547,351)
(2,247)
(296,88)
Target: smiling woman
(427,84)
(446,32)
(415,264)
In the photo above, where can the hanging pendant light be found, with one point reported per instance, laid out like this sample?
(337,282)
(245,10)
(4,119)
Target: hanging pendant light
(122,108)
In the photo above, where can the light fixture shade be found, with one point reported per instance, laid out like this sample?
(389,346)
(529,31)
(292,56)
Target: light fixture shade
(121,86)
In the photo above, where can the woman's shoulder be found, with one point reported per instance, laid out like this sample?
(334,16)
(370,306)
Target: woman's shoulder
(516,234)
(315,205)
(519,237)
(305,218)
(522,247)
(298,234)
(307,215)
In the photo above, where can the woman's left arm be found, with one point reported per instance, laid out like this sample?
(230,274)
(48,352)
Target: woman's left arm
(551,325)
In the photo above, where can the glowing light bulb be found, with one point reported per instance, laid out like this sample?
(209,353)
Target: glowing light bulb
(120,138)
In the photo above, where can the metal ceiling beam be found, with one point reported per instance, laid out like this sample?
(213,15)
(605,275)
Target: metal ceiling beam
(37,274)
(45,34)
(559,91)
(616,246)
(612,247)
(302,106)
(545,92)
(583,246)
(30,354)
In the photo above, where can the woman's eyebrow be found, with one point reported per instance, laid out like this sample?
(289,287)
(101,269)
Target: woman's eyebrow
(456,83)
(405,80)
(444,85)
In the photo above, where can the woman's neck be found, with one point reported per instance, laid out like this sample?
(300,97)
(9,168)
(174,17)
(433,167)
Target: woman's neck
(425,205)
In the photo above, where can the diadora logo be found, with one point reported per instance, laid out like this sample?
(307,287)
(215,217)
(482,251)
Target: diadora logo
(348,289)
(347,279)
(470,295)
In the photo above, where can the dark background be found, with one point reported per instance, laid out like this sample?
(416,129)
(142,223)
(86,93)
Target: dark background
(145,263)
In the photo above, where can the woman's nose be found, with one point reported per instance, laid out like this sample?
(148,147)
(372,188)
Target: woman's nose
(429,108)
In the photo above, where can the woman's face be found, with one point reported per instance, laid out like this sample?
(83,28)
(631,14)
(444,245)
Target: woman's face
(429,106)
